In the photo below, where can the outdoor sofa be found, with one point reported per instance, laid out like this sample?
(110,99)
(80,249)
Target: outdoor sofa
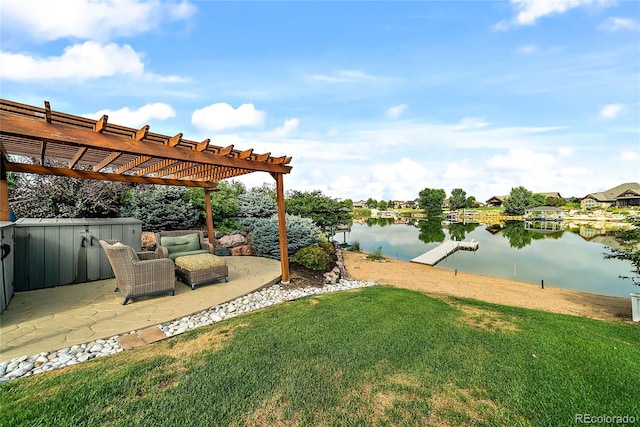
(173,244)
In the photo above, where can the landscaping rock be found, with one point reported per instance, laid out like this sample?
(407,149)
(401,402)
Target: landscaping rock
(243,250)
(232,240)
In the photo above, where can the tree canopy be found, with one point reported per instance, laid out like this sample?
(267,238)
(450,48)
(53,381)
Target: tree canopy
(458,199)
(518,201)
(323,210)
(431,200)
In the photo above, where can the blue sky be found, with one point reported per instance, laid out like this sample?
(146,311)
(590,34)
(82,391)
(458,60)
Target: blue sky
(371,99)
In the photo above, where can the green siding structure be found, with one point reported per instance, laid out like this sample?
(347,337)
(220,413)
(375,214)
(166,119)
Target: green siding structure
(6,264)
(61,251)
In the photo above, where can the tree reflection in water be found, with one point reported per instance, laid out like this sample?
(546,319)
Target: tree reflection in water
(431,230)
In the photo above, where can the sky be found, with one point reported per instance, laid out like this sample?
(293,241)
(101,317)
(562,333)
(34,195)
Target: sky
(371,99)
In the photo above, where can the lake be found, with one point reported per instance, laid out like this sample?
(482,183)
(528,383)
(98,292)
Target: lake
(563,259)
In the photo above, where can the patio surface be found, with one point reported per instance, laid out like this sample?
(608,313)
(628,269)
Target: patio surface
(55,318)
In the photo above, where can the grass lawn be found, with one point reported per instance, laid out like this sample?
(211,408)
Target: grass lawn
(374,356)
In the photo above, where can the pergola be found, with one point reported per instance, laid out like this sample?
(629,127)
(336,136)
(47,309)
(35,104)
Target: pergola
(97,149)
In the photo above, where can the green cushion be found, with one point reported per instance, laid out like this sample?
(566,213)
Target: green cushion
(175,255)
(178,244)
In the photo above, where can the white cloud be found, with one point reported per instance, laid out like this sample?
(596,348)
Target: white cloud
(134,118)
(628,156)
(611,111)
(344,76)
(471,123)
(527,49)
(48,20)
(618,24)
(81,61)
(221,116)
(290,125)
(521,159)
(529,11)
(396,111)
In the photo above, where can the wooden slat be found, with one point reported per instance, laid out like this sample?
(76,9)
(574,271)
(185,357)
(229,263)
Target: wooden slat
(77,157)
(107,160)
(141,133)
(133,163)
(279,160)
(155,168)
(174,140)
(201,146)
(47,111)
(43,149)
(101,124)
(262,157)
(73,173)
(226,150)
(245,154)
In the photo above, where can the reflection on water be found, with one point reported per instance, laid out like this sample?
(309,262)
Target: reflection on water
(562,258)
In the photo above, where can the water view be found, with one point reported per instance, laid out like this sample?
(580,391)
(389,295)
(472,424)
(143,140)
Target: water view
(561,258)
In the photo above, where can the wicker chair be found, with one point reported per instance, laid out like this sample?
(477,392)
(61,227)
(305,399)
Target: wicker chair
(139,274)
(164,253)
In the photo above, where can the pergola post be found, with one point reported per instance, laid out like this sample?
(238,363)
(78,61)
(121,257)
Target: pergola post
(207,205)
(4,191)
(282,228)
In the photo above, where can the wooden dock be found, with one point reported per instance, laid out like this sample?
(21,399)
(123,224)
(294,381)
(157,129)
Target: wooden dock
(439,253)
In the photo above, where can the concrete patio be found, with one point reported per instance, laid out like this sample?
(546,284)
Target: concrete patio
(55,318)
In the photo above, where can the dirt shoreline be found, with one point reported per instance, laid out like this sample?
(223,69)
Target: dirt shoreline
(435,280)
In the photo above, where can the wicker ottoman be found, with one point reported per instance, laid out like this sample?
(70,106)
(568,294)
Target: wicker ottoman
(195,270)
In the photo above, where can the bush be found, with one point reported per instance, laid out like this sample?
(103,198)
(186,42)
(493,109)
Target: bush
(160,208)
(301,232)
(254,207)
(224,204)
(376,255)
(355,246)
(313,257)
(328,248)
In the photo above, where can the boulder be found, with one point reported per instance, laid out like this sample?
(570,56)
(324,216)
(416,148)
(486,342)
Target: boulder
(243,250)
(232,240)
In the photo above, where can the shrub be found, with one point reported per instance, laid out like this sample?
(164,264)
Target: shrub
(355,246)
(301,232)
(313,257)
(328,249)
(253,207)
(160,208)
(376,255)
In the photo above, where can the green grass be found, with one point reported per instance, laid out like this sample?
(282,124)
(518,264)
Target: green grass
(376,356)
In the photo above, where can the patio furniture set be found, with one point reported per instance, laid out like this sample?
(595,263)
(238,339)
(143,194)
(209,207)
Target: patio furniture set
(182,254)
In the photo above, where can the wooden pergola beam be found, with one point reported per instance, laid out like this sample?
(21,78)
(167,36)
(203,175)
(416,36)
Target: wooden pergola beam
(101,124)
(107,160)
(101,176)
(26,127)
(133,163)
(77,157)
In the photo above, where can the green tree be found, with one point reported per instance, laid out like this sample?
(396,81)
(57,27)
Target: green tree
(555,201)
(348,203)
(41,196)
(471,202)
(224,204)
(518,201)
(372,203)
(160,208)
(538,200)
(324,211)
(430,200)
(383,205)
(301,232)
(254,206)
(458,199)
(629,250)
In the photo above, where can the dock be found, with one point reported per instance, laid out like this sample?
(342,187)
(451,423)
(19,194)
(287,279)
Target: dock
(439,253)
